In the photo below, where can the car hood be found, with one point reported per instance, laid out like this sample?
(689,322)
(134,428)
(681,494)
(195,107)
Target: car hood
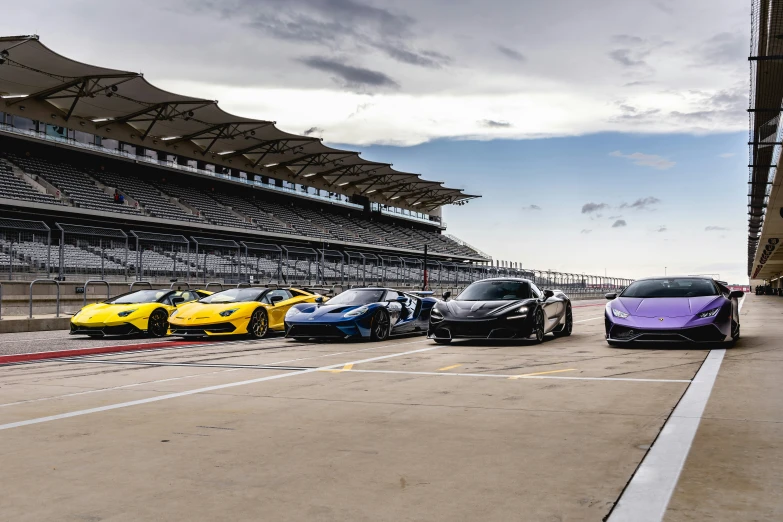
(208,313)
(108,311)
(476,309)
(325,312)
(668,306)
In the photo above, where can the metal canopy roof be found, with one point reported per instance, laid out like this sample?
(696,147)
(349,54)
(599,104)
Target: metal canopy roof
(123,105)
(765,199)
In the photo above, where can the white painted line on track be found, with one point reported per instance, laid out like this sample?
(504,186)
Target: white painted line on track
(516,377)
(647,495)
(192,376)
(206,389)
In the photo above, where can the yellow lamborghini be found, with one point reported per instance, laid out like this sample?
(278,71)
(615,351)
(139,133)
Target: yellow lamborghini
(139,312)
(250,311)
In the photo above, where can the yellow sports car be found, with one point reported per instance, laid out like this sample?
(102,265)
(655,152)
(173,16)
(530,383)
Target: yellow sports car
(139,312)
(251,311)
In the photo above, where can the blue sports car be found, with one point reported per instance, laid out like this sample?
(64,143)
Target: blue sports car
(368,313)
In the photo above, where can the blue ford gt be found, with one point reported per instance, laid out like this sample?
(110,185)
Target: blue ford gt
(367,313)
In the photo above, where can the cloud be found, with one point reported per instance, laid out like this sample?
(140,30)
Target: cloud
(615,217)
(348,75)
(642,203)
(629,57)
(431,59)
(627,39)
(511,53)
(646,160)
(725,48)
(495,123)
(585,231)
(713,228)
(313,130)
(661,228)
(589,208)
(531,207)
(619,223)
(727,155)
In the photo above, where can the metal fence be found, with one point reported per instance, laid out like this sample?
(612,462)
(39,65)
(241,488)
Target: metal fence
(93,251)
(25,249)
(29,250)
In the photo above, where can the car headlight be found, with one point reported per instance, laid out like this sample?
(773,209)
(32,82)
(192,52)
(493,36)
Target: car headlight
(522,310)
(519,313)
(435,315)
(126,313)
(356,312)
(77,312)
(292,312)
(172,314)
(709,313)
(226,313)
(618,313)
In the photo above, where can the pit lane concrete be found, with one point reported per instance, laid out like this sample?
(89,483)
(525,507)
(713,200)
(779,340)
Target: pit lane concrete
(401,430)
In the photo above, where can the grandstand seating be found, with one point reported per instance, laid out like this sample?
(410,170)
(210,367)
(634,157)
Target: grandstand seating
(73,182)
(250,210)
(151,199)
(12,187)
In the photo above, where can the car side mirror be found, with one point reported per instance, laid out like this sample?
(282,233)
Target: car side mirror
(402,299)
(275,299)
(446,295)
(548,294)
(176,301)
(736,294)
(611,296)
(319,299)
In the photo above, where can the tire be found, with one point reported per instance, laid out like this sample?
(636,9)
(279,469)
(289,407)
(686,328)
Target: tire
(735,333)
(442,341)
(158,323)
(568,327)
(258,327)
(380,326)
(538,326)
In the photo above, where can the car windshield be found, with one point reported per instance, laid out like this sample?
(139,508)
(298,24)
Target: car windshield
(234,295)
(142,296)
(357,297)
(674,287)
(495,291)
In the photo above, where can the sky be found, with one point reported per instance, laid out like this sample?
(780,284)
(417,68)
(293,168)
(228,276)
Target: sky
(602,136)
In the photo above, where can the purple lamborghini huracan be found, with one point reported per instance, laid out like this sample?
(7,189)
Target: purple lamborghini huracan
(673,309)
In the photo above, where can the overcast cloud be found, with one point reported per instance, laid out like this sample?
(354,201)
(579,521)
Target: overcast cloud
(431,69)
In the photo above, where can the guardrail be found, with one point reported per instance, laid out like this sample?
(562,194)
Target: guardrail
(56,282)
(95,281)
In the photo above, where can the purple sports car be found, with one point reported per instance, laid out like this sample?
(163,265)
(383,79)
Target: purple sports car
(673,309)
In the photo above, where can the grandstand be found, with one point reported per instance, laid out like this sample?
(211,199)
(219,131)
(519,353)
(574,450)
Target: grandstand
(243,200)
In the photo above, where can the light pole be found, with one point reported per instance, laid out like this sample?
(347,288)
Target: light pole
(665,271)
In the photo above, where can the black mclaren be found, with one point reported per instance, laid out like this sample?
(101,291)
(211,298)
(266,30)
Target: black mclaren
(506,308)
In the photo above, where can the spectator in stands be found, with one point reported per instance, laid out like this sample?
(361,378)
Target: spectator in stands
(122,199)
(116,196)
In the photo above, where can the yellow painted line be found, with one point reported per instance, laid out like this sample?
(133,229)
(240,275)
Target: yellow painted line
(345,368)
(449,367)
(542,373)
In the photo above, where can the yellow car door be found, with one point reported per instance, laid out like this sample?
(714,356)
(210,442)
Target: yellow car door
(278,307)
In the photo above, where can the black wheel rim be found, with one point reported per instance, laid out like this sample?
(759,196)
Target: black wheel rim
(569,321)
(381,326)
(157,324)
(539,326)
(258,324)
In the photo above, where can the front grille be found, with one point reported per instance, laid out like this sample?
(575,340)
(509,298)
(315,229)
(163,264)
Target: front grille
(202,329)
(314,330)
(122,329)
(700,334)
